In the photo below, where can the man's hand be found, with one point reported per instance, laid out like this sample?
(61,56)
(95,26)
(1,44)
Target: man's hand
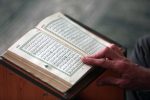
(132,76)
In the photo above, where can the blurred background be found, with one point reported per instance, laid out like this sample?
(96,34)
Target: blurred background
(124,21)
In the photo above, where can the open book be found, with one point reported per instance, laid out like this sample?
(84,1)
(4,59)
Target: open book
(52,51)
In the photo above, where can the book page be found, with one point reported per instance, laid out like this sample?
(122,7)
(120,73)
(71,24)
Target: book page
(77,36)
(49,53)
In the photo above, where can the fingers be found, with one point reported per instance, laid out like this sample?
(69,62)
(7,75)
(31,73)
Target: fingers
(112,52)
(97,54)
(112,81)
(116,49)
(104,63)
(106,53)
(93,61)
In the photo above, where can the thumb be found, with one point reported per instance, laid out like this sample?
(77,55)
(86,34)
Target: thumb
(112,81)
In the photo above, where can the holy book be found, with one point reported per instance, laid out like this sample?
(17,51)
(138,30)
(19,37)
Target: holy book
(52,51)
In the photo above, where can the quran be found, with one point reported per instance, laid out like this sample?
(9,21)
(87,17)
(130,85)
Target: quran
(52,51)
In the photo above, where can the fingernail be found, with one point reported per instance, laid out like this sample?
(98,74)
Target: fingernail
(83,59)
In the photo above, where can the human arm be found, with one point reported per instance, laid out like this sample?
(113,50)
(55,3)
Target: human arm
(132,76)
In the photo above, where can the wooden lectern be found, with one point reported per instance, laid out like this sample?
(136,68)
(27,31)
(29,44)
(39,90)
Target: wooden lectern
(15,87)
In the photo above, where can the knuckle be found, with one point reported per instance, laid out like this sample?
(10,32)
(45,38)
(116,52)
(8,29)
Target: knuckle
(121,61)
(102,63)
(107,49)
(121,64)
(113,46)
(107,63)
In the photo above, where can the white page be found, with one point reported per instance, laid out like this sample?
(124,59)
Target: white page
(63,27)
(49,53)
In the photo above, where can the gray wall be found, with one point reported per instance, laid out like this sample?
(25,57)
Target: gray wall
(121,20)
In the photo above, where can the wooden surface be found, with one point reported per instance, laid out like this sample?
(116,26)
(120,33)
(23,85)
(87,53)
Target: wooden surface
(14,87)
(94,92)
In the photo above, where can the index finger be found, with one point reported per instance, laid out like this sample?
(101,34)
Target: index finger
(106,53)
(107,64)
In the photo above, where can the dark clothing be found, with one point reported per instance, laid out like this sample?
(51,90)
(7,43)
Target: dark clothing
(141,53)
(141,56)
